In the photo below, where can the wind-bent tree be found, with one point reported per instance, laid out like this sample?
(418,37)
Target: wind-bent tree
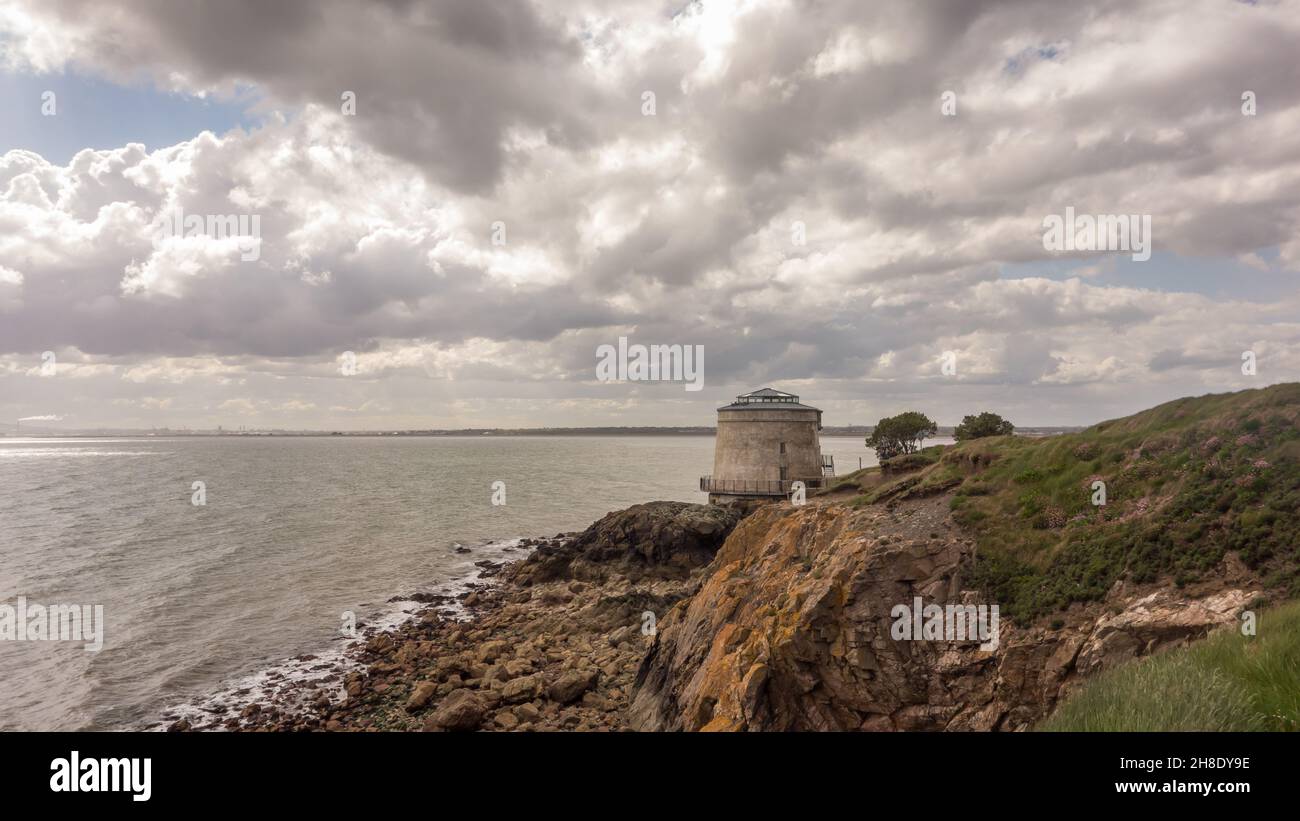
(986,424)
(904,433)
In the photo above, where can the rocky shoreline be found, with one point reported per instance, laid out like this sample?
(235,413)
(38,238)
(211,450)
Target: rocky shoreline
(676,616)
(550,642)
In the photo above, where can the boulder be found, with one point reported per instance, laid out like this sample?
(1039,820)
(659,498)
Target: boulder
(569,687)
(491,650)
(421,695)
(524,688)
(516,668)
(461,711)
(660,539)
(527,713)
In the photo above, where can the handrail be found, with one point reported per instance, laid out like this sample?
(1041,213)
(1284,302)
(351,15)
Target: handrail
(755,487)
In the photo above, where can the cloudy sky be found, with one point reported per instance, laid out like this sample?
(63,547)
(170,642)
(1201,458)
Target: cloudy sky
(507,197)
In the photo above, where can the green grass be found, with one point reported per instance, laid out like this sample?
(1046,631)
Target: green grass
(857,480)
(1226,682)
(898,478)
(1186,482)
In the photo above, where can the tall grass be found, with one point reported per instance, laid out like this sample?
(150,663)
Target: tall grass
(1186,483)
(1226,682)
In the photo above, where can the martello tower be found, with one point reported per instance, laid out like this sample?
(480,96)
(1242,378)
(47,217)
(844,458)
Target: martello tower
(766,441)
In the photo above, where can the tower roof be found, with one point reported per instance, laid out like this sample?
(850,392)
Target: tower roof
(769,392)
(767,399)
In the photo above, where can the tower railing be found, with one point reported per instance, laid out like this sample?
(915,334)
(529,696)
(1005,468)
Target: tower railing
(755,487)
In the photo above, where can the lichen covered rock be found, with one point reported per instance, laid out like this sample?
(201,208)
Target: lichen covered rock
(791,630)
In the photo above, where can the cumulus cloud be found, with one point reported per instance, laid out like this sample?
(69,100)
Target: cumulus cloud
(919,233)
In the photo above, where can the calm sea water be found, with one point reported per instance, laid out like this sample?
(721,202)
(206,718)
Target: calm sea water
(294,532)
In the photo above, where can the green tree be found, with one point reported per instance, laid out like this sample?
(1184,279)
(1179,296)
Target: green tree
(986,424)
(904,433)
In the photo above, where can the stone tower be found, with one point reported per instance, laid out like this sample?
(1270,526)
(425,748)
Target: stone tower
(766,441)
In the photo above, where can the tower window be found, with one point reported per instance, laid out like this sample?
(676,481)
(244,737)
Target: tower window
(783,447)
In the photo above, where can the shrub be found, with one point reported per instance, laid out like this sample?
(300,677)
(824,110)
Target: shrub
(901,434)
(985,424)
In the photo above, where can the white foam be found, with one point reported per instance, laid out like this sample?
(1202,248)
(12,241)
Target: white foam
(274,686)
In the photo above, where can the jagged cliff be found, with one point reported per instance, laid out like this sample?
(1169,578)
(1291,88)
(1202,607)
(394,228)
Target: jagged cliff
(791,631)
(791,626)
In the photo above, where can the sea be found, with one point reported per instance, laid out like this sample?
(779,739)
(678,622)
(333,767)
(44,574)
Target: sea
(228,564)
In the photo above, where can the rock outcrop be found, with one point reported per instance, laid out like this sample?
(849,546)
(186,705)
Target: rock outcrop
(791,630)
(655,540)
(1158,620)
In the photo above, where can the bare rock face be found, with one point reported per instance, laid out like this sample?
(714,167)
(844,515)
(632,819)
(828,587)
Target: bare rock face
(1157,620)
(792,631)
(656,539)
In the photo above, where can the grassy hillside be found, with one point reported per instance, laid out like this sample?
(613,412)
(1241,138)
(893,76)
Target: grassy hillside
(1186,482)
(1226,682)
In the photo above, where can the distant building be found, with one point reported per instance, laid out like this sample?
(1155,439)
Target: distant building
(766,441)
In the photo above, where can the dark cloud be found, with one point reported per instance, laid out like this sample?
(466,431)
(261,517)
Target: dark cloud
(438,84)
(676,227)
